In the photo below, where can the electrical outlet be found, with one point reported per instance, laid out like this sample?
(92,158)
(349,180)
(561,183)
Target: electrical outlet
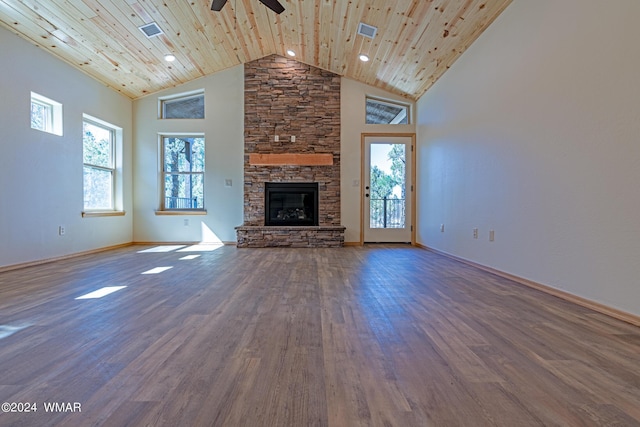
(293,138)
(61,230)
(228,182)
(442,228)
(276,138)
(186,222)
(492,235)
(475,233)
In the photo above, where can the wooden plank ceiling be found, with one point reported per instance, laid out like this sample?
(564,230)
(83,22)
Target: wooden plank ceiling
(417,40)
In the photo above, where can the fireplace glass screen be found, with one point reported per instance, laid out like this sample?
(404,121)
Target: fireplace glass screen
(291,203)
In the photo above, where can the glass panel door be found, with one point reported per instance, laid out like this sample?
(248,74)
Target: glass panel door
(387,204)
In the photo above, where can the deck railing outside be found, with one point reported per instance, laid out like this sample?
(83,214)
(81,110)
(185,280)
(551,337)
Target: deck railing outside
(180,203)
(387,213)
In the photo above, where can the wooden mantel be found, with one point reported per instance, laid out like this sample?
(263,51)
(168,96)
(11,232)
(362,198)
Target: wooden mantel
(293,159)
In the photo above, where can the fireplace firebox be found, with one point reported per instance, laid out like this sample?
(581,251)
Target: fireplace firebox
(291,203)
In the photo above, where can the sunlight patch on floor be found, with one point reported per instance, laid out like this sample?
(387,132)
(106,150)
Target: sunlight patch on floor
(8,330)
(156,270)
(202,247)
(163,248)
(101,292)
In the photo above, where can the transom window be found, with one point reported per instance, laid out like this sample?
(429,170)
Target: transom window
(46,114)
(184,106)
(99,165)
(183,172)
(386,112)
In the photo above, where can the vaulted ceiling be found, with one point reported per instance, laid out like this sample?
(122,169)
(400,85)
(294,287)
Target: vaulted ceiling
(416,41)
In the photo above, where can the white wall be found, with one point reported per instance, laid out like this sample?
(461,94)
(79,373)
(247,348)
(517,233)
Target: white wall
(223,128)
(534,132)
(41,173)
(352,115)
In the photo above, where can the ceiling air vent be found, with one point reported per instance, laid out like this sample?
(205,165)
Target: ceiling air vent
(367,30)
(151,30)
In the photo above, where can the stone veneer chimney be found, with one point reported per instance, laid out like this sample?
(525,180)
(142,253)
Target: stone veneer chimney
(287,98)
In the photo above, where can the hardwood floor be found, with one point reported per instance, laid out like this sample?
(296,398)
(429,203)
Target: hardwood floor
(356,336)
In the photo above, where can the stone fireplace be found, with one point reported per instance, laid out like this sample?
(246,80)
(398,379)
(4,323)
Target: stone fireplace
(292,137)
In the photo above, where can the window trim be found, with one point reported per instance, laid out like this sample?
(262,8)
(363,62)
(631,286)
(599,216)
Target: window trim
(179,96)
(390,103)
(115,169)
(92,214)
(53,119)
(163,210)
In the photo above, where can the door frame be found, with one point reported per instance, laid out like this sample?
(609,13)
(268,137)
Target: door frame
(412,179)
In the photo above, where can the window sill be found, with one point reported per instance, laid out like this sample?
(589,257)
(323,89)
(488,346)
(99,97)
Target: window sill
(183,212)
(91,214)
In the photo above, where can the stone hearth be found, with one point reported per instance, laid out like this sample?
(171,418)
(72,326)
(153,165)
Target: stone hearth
(290,236)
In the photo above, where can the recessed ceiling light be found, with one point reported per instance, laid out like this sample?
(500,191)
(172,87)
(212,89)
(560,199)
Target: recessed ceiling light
(169,57)
(363,57)
(291,53)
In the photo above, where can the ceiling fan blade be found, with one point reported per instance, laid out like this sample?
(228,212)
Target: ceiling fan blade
(273,5)
(217,5)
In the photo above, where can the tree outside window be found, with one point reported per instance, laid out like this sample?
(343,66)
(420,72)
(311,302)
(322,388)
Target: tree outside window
(183,172)
(46,114)
(41,115)
(388,198)
(99,166)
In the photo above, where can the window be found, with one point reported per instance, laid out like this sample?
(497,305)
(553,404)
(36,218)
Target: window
(99,165)
(182,172)
(184,106)
(46,114)
(386,112)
